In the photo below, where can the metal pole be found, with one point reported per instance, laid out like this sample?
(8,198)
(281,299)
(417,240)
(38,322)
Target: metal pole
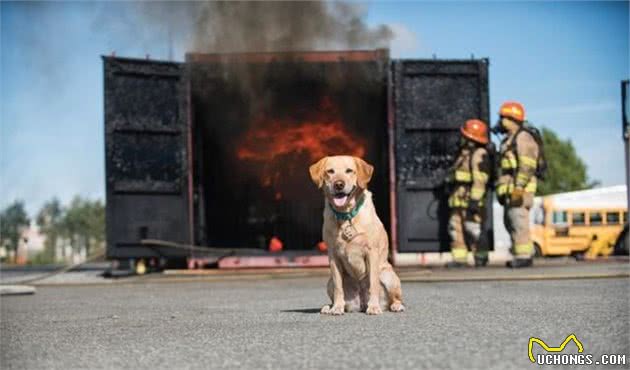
(625,131)
(625,127)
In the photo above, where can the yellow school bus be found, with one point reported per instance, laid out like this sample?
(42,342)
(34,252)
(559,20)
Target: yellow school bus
(571,223)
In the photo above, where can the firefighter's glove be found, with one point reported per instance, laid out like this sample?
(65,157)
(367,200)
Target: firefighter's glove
(473,213)
(516,198)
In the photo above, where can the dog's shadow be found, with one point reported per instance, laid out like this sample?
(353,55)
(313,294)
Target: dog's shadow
(303,310)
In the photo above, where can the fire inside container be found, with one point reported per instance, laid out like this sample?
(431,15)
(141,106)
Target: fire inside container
(215,151)
(261,122)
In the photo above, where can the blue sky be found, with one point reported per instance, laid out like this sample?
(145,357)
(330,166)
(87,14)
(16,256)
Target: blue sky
(563,60)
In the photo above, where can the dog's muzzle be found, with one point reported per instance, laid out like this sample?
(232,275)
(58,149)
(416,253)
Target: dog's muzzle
(340,198)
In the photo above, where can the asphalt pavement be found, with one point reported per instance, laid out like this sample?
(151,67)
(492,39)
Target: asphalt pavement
(260,323)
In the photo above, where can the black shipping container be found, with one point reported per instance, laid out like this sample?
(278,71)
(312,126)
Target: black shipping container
(215,151)
(432,99)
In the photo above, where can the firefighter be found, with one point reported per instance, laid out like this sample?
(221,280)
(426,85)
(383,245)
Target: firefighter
(519,154)
(468,178)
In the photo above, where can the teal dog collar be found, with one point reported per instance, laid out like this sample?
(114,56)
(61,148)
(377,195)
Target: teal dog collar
(347,216)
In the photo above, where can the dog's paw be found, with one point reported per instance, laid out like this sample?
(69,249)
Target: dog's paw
(336,310)
(397,307)
(374,310)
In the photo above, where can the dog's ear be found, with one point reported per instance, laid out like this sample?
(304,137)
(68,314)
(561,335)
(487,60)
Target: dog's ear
(317,172)
(364,172)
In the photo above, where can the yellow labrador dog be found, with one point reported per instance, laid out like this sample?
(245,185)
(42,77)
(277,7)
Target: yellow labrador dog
(361,277)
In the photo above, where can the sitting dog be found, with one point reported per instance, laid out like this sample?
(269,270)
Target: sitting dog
(358,245)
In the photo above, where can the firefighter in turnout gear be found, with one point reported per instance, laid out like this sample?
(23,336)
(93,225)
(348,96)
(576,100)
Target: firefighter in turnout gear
(468,179)
(516,186)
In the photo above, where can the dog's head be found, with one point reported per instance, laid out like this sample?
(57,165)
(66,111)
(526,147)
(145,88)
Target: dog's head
(341,178)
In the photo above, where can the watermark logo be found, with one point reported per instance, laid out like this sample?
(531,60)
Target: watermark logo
(554,357)
(544,345)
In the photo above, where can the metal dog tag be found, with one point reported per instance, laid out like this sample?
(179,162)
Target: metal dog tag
(348,232)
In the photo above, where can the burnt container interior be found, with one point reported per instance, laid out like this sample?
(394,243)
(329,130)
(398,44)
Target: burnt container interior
(258,126)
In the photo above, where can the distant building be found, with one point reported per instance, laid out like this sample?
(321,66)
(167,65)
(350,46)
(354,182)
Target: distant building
(31,243)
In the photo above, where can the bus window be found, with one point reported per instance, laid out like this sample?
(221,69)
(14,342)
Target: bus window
(578,218)
(625,216)
(595,218)
(559,217)
(612,218)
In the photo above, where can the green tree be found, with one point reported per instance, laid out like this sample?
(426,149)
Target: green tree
(565,169)
(49,220)
(95,224)
(83,223)
(13,220)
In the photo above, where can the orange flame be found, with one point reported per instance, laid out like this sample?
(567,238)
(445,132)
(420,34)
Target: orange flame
(320,135)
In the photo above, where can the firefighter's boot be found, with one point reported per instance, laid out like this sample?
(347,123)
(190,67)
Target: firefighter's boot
(481,261)
(520,263)
(459,254)
(455,265)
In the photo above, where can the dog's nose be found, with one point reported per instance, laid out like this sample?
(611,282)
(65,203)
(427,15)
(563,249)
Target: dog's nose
(339,185)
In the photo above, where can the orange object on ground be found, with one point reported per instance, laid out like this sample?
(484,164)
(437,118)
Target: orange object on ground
(322,247)
(275,245)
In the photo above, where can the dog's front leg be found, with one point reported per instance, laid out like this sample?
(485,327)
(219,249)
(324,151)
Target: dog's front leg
(338,296)
(374,305)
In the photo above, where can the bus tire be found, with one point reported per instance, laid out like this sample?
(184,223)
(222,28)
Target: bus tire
(622,244)
(537,251)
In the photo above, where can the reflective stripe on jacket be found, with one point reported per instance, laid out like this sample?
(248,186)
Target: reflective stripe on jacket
(518,164)
(470,175)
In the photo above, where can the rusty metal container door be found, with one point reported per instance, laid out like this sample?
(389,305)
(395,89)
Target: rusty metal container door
(432,99)
(146,156)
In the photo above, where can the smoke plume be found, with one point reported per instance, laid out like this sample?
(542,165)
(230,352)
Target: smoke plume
(217,27)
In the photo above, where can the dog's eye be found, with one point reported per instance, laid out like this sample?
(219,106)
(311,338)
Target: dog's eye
(330,171)
(349,170)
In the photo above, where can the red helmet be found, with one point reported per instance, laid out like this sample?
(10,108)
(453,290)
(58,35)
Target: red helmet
(475,130)
(513,110)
